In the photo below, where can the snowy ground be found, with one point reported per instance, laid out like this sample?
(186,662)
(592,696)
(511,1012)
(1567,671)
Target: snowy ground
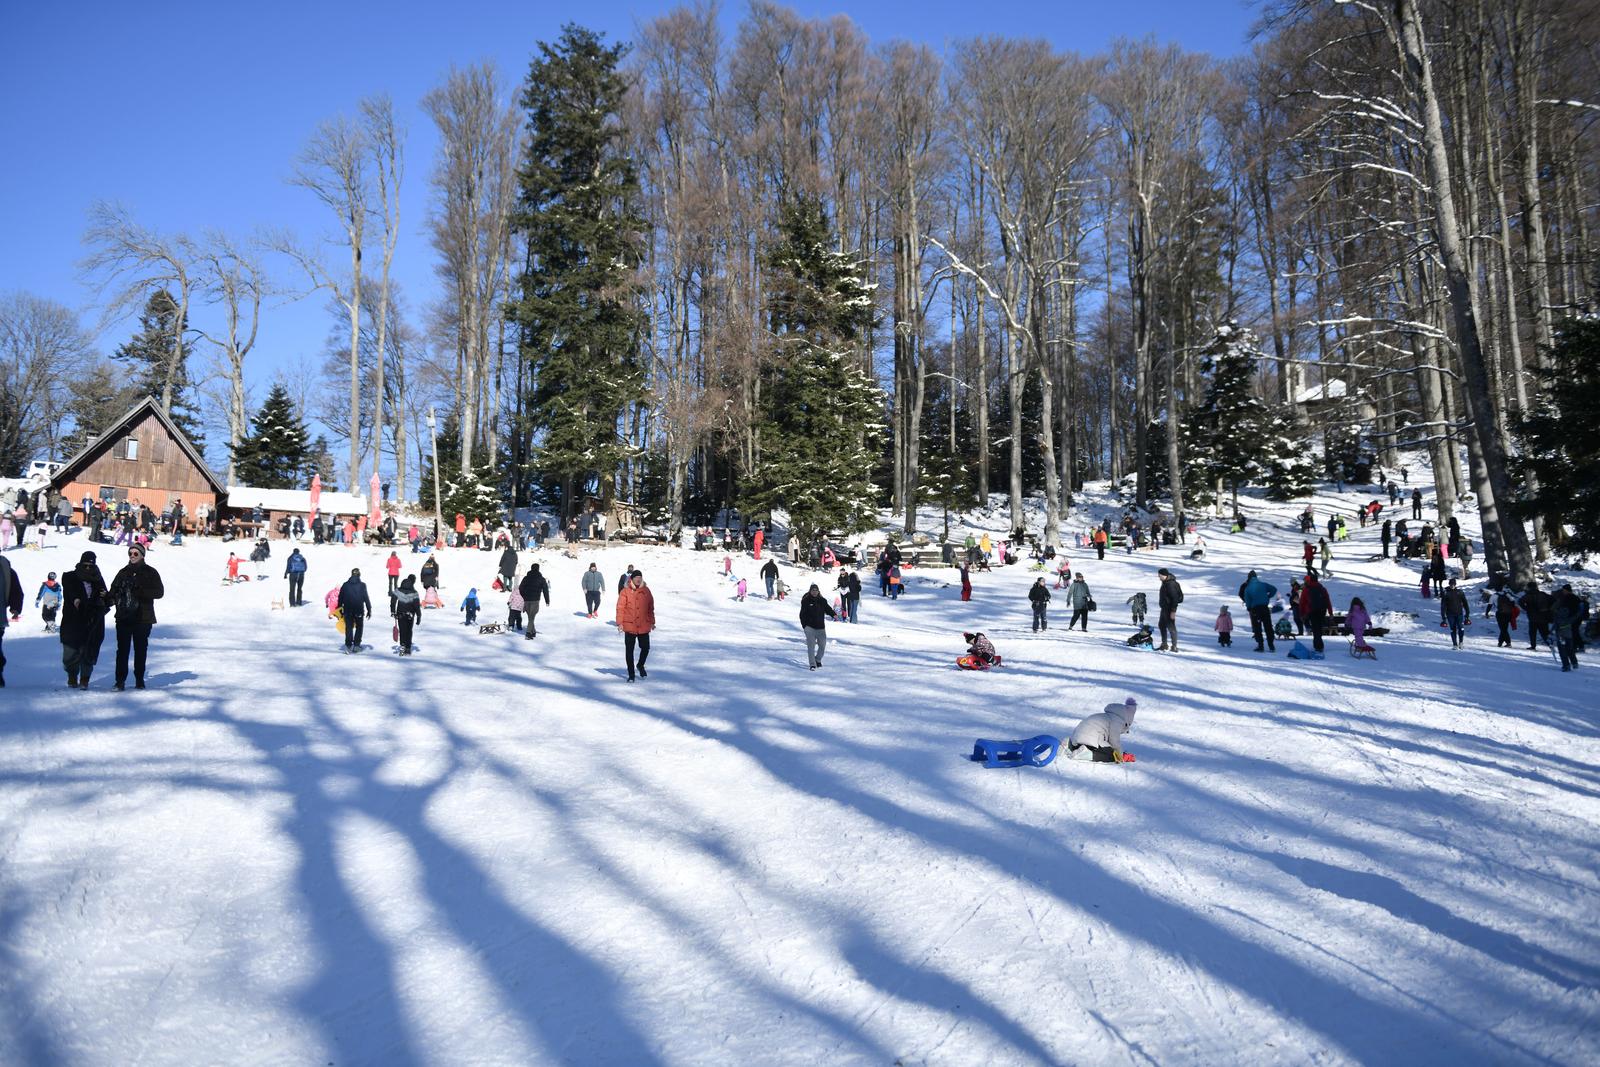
(500,851)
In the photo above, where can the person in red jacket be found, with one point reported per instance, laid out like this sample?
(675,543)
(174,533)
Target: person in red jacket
(393,567)
(636,617)
(1314,607)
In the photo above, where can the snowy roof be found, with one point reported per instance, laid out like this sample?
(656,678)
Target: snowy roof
(330,503)
(1313,393)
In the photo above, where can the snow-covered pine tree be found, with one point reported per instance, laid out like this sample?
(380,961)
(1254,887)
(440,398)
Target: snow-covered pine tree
(474,494)
(1229,437)
(822,415)
(276,454)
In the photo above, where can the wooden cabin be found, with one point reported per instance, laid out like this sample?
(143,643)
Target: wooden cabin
(142,458)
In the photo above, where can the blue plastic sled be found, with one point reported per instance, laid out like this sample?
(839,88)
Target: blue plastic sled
(1033,752)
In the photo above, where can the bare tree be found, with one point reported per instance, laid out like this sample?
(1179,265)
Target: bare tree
(232,278)
(333,166)
(126,261)
(474,186)
(43,350)
(386,141)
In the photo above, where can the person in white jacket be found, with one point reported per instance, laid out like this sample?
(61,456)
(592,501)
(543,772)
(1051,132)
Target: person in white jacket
(1099,737)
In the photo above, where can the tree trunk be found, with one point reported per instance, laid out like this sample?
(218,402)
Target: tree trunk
(1518,557)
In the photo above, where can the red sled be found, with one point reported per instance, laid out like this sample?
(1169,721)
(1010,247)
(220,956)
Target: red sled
(973,663)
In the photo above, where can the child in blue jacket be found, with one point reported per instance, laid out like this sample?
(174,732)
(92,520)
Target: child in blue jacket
(470,606)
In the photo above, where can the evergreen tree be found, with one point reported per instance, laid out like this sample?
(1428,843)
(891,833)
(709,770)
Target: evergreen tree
(149,352)
(1228,437)
(822,414)
(1559,444)
(579,325)
(322,462)
(474,494)
(99,398)
(277,452)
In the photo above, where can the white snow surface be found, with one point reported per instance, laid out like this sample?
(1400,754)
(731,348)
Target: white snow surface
(499,851)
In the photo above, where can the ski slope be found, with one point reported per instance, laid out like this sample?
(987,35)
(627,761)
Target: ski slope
(501,852)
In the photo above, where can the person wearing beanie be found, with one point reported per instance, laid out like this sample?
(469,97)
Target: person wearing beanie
(48,599)
(83,620)
(533,586)
(1098,738)
(1170,597)
(813,608)
(356,607)
(636,618)
(406,607)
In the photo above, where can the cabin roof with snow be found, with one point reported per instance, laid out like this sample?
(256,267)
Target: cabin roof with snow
(146,469)
(1312,394)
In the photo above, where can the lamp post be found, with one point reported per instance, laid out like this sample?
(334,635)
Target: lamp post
(433,439)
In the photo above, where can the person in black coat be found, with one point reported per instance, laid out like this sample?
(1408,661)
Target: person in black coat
(1388,535)
(356,607)
(769,574)
(1170,597)
(1039,597)
(508,566)
(1416,503)
(533,587)
(852,601)
(814,613)
(406,607)
(83,620)
(430,573)
(133,593)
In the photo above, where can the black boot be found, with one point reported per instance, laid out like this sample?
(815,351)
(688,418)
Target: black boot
(83,679)
(72,679)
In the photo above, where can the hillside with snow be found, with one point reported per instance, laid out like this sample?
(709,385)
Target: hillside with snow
(500,851)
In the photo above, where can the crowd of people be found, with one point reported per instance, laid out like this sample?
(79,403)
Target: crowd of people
(1305,609)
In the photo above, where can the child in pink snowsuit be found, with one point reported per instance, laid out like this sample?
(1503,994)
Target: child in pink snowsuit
(1224,627)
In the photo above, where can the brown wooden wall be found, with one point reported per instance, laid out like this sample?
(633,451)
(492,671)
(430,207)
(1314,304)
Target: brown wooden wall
(162,471)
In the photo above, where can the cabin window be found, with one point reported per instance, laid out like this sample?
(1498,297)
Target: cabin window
(130,448)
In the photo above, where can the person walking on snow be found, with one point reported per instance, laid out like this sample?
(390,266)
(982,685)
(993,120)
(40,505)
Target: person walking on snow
(393,567)
(1098,738)
(48,600)
(1327,558)
(134,592)
(1224,627)
(10,606)
(1505,616)
(636,618)
(1039,597)
(83,621)
(406,607)
(469,604)
(508,567)
(1315,606)
(1566,612)
(966,581)
(1170,597)
(1078,593)
(356,607)
(1454,613)
(769,573)
(813,608)
(294,569)
(1416,503)
(532,588)
(1138,604)
(852,597)
(593,584)
(1257,596)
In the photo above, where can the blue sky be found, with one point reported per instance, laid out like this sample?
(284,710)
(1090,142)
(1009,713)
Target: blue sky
(192,113)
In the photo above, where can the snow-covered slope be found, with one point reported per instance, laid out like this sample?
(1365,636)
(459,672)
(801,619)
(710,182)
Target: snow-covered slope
(500,851)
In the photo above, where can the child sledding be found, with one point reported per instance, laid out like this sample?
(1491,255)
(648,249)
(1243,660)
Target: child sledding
(980,654)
